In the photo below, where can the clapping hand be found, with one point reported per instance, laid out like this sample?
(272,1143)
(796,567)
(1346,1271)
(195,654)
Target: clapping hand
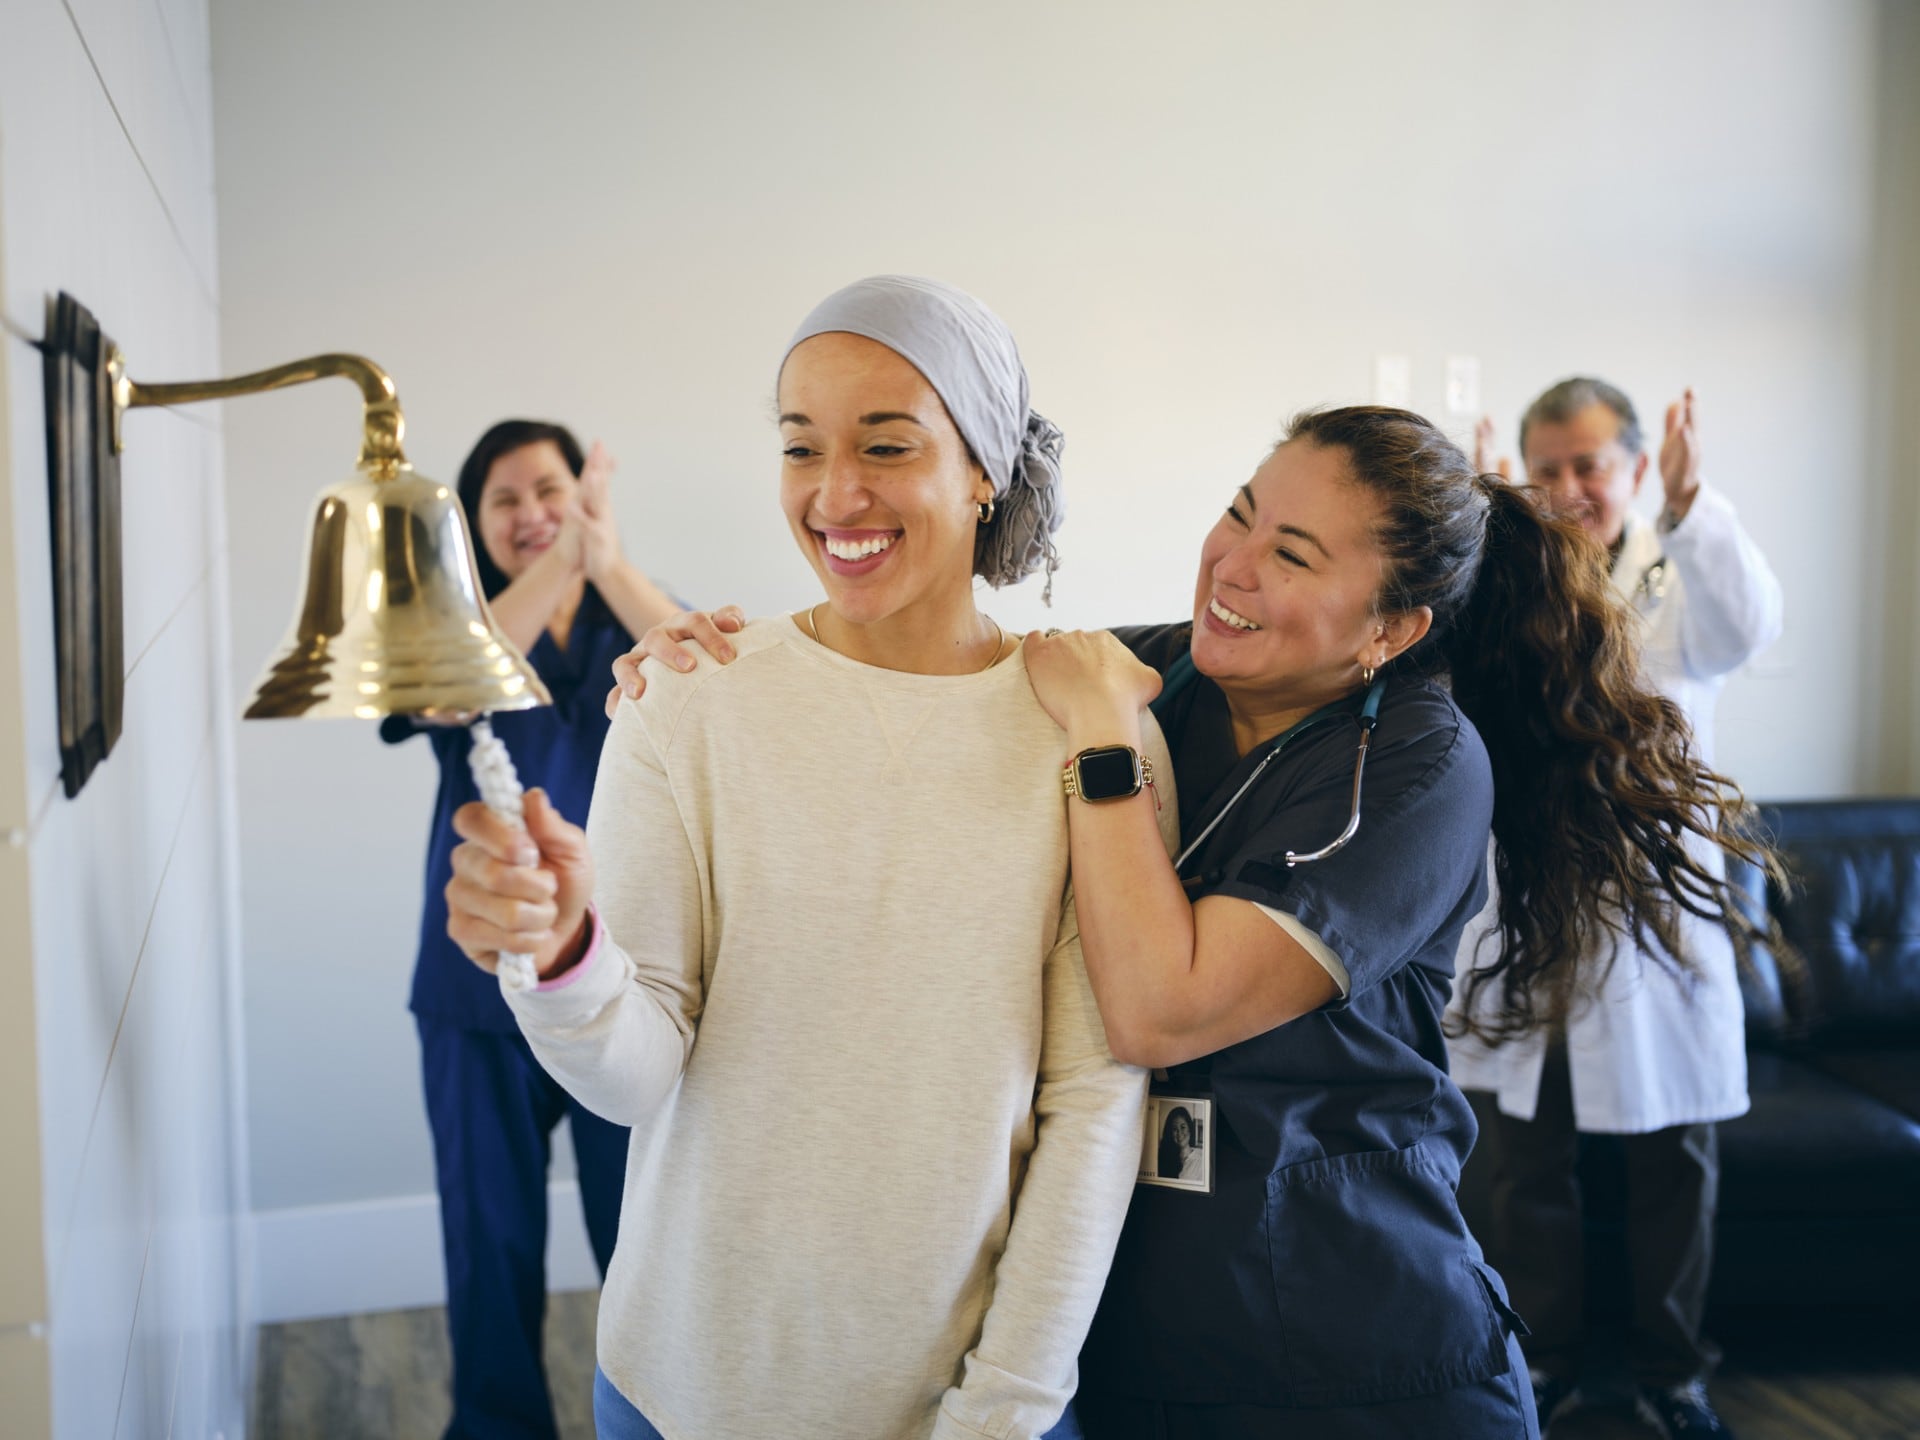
(1484,460)
(600,531)
(1680,456)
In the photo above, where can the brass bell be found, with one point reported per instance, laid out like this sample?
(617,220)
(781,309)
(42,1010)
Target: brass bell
(393,622)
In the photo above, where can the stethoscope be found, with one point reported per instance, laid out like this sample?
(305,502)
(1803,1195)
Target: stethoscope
(1652,586)
(1181,674)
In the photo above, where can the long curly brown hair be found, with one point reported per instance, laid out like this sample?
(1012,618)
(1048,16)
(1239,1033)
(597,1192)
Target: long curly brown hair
(1604,817)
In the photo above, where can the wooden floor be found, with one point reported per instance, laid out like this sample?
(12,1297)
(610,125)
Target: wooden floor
(384,1377)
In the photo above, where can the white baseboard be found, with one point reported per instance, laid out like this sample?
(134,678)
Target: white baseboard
(322,1260)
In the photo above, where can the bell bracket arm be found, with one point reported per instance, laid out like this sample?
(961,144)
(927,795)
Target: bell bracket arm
(385,427)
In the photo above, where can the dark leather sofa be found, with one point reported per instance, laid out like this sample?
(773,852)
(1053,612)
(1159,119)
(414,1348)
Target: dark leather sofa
(1820,1181)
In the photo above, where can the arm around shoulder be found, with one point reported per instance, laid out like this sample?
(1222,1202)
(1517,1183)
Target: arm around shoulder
(1177,980)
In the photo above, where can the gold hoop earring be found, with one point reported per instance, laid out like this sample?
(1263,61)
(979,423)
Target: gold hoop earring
(1367,672)
(986,512)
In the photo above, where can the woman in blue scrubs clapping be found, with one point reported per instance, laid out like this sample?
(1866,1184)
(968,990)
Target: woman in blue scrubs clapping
(551,564)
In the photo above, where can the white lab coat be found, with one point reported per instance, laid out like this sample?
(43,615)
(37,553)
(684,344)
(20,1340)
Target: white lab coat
(1647,1051)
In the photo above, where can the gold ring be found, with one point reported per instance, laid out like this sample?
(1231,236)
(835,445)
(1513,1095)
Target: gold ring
(1049,634)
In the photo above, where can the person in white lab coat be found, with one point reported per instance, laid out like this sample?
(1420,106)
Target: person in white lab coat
(1647,1054)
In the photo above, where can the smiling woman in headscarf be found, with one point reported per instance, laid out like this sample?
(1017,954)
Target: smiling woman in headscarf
(828,968)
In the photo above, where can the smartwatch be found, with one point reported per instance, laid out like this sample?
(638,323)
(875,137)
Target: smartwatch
(1107,772)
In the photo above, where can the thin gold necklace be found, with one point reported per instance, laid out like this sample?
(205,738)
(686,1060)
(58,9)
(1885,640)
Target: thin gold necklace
(999,638)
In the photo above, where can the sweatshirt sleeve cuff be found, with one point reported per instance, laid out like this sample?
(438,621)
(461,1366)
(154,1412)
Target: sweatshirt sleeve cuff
(595,934)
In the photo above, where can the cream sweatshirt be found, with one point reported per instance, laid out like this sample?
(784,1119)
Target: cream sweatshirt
(881,1153)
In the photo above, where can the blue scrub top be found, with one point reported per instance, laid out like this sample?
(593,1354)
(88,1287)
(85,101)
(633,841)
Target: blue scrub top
(1329,1265)
(556,747)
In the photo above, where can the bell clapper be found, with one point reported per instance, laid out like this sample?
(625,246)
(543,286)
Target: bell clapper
(500,790)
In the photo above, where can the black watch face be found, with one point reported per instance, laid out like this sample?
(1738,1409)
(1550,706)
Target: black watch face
(1108,774)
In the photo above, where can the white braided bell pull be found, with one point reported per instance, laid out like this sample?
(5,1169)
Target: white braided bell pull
(499,786)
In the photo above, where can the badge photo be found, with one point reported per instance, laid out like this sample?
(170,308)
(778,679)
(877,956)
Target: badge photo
(1176,1143)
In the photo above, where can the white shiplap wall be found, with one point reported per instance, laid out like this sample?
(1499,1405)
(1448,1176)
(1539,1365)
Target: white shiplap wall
(123,924)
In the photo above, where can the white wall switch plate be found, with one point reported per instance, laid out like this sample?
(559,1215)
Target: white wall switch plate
(1392,381)
(1463,385)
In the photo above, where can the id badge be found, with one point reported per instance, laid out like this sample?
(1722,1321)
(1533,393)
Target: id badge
(1176,1143)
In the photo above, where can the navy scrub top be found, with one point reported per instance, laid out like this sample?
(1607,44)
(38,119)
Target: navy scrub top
(1329,1265)
(556,747)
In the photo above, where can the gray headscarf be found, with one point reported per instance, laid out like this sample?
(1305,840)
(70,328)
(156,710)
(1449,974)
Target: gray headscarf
(967,354)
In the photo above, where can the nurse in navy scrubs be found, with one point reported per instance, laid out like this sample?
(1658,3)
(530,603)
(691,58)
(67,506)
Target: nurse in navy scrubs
(551,565)
(1291,974)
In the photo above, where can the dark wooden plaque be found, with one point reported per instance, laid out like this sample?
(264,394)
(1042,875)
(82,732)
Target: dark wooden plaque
(83,482)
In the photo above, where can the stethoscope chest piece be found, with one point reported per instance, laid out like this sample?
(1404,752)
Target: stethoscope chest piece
(1651,588)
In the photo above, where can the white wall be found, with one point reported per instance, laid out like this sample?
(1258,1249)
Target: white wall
(122,903)
(1196,218)
(1895,395)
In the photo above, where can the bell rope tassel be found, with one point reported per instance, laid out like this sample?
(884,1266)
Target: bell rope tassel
(499,786)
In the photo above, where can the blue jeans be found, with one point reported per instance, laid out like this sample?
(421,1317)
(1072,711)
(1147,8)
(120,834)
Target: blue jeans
(614,1417)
